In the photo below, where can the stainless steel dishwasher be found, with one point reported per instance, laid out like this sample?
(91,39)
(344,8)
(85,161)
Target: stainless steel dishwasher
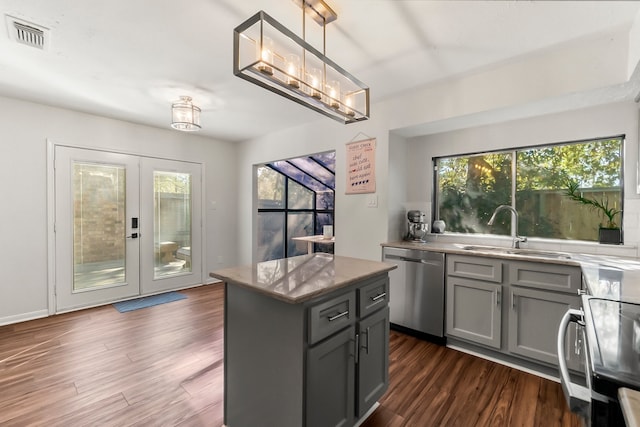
(416,291)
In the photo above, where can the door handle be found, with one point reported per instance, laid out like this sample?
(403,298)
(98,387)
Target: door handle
(577,396)
(416,260)
(133,236)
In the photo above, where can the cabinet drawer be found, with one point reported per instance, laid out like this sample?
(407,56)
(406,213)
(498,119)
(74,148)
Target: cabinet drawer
(554,277)
(373,297)
(331,316)
(475,267)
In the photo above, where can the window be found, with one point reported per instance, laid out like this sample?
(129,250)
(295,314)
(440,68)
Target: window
(533,180)
(295,199)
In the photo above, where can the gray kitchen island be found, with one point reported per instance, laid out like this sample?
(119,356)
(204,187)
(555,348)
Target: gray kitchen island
(306,341)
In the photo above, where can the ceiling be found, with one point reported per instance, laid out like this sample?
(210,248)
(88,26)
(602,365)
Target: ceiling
(130,59)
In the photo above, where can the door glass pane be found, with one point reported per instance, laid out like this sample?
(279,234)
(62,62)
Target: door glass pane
(99,225)
(172,223)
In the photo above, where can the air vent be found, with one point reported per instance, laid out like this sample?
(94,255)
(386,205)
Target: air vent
(28,33)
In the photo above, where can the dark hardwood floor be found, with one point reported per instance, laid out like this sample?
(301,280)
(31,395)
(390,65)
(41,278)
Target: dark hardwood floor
(162,366)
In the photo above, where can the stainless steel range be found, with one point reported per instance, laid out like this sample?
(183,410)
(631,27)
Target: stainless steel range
(612,358)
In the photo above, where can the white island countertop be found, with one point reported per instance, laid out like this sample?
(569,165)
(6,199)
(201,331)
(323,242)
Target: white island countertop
(301,278)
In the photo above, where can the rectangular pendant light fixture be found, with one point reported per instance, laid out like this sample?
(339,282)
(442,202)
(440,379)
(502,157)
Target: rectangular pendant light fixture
(270,55)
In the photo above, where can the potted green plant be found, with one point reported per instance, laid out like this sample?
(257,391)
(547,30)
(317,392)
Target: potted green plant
(609,232)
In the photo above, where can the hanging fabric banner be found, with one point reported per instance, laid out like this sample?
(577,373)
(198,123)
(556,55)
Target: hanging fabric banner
(361,166)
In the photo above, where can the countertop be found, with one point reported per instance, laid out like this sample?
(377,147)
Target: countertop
(301,278)
(630,405)
(608,277)
(316,239)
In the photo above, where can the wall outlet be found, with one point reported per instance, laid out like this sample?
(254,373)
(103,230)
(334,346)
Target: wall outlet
(372,201)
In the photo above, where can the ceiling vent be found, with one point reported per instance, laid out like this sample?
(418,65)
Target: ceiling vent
(27,33)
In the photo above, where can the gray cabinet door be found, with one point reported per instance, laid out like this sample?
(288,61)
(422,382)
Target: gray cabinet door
(330,383)
(373,360)
(534,317)
(473,311)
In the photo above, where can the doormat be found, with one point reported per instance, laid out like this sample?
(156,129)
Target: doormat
(150,301)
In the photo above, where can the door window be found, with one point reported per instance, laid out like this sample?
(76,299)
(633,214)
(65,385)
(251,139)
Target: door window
(99,225)
(172,223)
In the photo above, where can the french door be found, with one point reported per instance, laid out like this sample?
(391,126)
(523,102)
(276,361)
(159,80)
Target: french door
(124,226)
(170,254)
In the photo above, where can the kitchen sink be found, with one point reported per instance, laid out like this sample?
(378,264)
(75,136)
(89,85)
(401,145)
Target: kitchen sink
(515,251)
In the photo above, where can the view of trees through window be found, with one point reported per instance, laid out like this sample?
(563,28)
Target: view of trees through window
(295,199)
(533,180)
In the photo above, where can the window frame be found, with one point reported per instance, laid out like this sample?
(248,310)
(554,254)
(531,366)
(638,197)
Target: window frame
(435,194)
(314,211)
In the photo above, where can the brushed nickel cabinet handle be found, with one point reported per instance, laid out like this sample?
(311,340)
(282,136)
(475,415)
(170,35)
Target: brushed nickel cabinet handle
(377,297)
(339,315)
(367,344)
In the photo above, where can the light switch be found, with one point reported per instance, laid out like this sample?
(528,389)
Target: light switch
(372,201)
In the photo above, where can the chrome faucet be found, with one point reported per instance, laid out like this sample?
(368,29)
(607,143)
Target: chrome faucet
(514,230)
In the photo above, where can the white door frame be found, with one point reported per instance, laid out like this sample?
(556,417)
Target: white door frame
(51,254)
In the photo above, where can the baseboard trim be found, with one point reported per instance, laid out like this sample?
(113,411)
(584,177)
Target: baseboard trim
(505,363)
(24,317)
(367,414)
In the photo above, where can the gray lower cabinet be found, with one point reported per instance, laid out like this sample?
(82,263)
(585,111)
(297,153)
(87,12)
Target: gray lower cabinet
(474,311)
(373,360)
(331,381)
(340,379)
(540,294)
(534,317)
(513,307)
(320,363)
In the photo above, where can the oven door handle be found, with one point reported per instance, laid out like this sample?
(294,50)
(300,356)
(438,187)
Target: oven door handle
(578,397)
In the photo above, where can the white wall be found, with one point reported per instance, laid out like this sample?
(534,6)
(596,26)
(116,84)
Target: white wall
(23,174)
(545,82)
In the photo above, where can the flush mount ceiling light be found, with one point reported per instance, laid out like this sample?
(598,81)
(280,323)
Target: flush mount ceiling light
(184,115)
(268,54)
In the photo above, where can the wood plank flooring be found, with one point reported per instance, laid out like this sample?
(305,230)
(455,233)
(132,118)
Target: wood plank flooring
(162,366)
